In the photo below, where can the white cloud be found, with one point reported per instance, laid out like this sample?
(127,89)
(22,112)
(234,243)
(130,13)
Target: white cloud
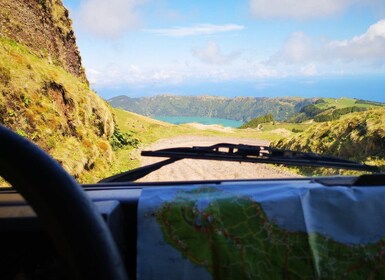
(199,29)
(114,74)
(308,9)
(297,9)
(296,49)
(309,70)
(109,18)
(300,55)
(368,47)
(365,49)
(211,54)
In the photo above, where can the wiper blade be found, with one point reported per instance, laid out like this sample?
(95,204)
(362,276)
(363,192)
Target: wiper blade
(138,173)
(259,154)
(240,153)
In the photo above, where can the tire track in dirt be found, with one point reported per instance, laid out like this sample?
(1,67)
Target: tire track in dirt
(189,169)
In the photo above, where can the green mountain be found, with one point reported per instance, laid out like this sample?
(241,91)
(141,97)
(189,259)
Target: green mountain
(329,109)
(239,108)
(357,136)
(44,93)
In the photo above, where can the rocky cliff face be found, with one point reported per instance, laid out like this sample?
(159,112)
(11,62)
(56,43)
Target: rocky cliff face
(44,26)
(44,93)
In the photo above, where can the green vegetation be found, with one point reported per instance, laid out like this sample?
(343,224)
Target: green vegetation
(329,109)
(357,136)
(337,113)
(43,102)
(239,108)
(121,140)
(360,101)
(339,103)
(254,123)
(147,130)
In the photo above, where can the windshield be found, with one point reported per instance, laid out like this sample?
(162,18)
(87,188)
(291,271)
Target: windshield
(101,81)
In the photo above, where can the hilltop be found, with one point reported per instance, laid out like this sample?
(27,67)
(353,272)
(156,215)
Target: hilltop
(329,109)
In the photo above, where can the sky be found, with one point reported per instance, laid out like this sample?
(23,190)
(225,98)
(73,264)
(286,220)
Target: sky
(307,48)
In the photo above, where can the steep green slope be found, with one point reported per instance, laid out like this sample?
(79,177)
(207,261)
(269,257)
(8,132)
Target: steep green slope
(356,136)
(56,110)
(43,26)
(239,108)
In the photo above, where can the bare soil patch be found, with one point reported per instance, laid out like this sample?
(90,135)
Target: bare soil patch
(215,127)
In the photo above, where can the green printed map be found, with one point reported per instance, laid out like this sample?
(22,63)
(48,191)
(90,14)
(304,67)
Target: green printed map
(232,238)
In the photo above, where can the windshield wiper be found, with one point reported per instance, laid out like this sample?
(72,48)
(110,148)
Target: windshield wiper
(138,173)
(240,153)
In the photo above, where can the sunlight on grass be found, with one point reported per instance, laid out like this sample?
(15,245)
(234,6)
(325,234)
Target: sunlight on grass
(44,103)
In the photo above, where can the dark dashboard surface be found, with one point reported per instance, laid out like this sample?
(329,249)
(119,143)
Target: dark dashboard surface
(25,245)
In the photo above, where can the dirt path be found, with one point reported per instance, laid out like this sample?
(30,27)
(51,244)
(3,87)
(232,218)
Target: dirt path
(189,169)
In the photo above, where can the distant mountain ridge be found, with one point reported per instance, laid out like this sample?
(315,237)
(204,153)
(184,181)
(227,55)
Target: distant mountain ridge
(238,108)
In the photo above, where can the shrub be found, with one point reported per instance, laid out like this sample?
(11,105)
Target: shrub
(296,130)
(120,140)
(320,101)
(259,120)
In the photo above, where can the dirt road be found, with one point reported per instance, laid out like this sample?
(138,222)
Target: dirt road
(189,169)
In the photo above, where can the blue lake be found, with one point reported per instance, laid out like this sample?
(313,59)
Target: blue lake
(202,120)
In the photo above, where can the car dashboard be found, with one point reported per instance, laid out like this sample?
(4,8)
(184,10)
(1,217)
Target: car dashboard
(323,220)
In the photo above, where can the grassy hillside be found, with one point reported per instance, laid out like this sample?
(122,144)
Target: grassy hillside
(356,136)
(329,109)
(43,102)
(340,103)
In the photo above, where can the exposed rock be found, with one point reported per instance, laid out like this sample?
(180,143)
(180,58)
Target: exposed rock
(44,26)
(44,92)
